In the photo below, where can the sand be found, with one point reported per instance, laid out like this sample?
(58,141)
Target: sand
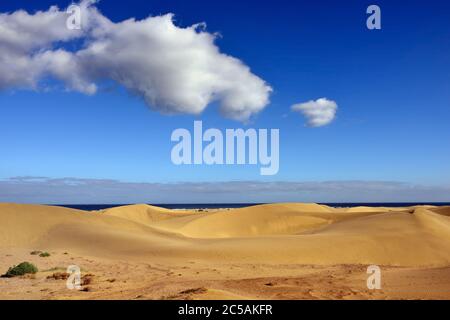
(275,251)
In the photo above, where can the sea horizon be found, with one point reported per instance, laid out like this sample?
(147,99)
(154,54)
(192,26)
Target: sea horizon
(90,207)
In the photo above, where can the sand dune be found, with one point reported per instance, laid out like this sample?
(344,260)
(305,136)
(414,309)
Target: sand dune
(261,220)
(445,211)
(144,213)
(278,233)
(437,223)
(94,233)
(281,235)
(372,209)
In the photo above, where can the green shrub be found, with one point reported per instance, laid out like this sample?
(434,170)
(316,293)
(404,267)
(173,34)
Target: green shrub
(44,254)
(20,270)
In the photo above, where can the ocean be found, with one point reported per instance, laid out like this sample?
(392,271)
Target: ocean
(89,207)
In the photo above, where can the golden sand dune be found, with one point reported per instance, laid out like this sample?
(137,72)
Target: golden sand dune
(34,226)
(144,213)
(256,221)
(441,210)
(277,233)
(276,251)
(372,209)
(434,221)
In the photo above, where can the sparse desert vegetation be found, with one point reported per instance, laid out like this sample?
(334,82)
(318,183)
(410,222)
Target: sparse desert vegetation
(20,270)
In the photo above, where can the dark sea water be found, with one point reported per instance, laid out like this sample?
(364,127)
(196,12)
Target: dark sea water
(89,207)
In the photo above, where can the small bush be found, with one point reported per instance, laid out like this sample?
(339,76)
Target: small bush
(44,254)
(20,270)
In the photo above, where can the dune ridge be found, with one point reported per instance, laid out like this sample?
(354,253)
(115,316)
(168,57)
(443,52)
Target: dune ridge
(274,233)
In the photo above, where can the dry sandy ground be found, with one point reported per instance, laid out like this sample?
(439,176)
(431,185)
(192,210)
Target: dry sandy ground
(279,251)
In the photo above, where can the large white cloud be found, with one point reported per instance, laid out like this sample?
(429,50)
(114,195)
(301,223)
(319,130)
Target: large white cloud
(319,112)
(174,69)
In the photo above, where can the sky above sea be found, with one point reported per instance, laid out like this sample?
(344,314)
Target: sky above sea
(388,140)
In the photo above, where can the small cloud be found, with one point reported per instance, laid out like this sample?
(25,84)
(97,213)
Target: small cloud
(319,113)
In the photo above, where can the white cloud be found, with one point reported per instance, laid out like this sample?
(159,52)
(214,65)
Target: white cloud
(319,112)
(174,69)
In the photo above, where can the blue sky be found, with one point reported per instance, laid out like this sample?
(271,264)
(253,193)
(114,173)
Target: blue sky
(392,87)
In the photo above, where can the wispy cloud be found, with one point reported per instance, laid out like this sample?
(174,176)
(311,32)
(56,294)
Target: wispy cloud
(174,69)
(89,191)
(318,112)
